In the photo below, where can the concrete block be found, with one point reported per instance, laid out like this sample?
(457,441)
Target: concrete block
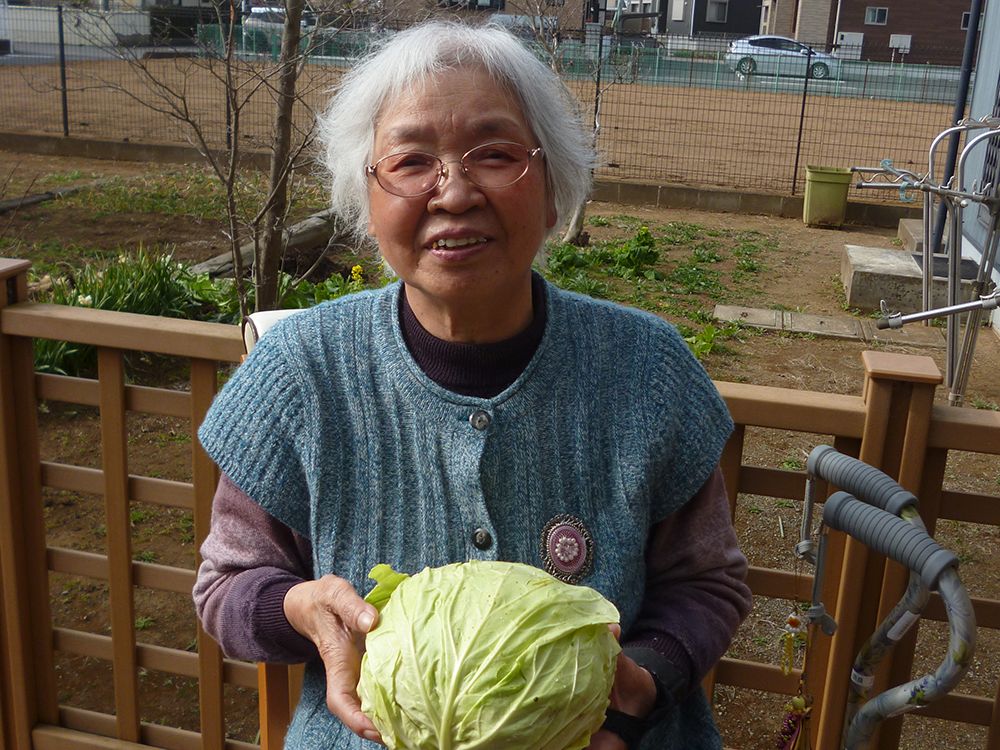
(914,334)
(871,274)
(678,196)
(749,316)
(911,232)
(818,325)
(721,201)
(636,194)
(604,191)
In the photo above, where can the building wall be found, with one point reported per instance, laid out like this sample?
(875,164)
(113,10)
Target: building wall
(983,164)
(812,25)
(780,17)
(934,25)
(742,17)
(80,27)
(675,16)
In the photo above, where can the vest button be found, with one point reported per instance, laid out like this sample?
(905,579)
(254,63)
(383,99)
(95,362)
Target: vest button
(482,538)
(479,419)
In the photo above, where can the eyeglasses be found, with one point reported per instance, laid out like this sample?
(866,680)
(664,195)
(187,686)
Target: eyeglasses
(492,165)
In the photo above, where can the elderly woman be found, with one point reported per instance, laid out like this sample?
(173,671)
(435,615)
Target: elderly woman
(469,411)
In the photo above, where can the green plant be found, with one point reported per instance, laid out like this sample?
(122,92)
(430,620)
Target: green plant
(636,255)
(707,340)
(978,402)
(146,557)
(694,278)
(792,464)
(144,623)
(706,254)
(581,283)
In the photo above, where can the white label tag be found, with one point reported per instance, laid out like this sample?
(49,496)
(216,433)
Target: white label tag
(862,681)
(899,629)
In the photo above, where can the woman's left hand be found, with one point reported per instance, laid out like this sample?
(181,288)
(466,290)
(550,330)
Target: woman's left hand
(633,693)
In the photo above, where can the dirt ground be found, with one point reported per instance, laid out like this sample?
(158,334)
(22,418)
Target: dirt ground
(802,274)
(679,134)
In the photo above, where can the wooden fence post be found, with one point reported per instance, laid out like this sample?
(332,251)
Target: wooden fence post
(898,394)
(16,717)
(204,384)
(26,680)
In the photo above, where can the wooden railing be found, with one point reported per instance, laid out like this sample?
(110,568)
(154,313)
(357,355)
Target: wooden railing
(895,426)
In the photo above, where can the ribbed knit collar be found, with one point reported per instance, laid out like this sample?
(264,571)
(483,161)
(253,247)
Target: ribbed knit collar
(480,370)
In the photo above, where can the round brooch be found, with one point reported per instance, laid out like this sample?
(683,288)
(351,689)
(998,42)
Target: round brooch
(567,548)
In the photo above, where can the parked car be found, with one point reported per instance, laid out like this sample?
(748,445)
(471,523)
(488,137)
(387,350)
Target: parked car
(273,19)
(778,55)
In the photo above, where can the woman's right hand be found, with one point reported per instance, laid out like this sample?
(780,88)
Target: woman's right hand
(330,613)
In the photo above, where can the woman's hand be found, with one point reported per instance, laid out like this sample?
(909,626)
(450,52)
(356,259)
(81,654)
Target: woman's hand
(633,693)
(330,613)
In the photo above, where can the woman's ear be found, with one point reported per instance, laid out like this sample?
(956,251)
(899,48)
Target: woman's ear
(551,214)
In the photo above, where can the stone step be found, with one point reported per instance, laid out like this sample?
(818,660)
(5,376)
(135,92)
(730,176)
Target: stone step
(911,232)
(873,274)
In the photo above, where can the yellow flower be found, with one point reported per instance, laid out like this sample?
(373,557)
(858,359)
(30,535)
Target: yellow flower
(356,274)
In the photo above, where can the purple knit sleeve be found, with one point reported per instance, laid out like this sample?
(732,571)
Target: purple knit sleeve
(250,561)
(695,596)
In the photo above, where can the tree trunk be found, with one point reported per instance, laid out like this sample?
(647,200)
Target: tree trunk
(269,251)
(575,226)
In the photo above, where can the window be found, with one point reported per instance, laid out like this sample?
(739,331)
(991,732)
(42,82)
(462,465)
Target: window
(718,10)
(876,16)
(965,21)
(991,164)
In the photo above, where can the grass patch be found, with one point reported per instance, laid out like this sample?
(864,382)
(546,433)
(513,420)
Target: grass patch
(678,270)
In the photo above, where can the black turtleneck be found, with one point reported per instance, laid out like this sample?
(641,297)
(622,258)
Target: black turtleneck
(481,370)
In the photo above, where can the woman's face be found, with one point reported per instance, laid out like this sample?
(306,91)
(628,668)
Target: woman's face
(493,233)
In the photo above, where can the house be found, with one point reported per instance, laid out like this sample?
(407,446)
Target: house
(709,17)
(983,164)
(912,31)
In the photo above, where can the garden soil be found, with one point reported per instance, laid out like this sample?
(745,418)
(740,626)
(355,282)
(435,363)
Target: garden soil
(801,274)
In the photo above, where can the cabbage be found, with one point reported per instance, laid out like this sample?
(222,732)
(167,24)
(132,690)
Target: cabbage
(487,656)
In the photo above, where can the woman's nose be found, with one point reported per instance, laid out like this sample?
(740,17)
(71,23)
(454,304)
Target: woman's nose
(445,172)
(454,190)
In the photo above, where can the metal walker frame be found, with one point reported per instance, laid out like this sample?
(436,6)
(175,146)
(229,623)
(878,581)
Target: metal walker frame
(954,198)
(882,515)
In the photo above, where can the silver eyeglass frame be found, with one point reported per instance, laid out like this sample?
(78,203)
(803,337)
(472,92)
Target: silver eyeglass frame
(371,170)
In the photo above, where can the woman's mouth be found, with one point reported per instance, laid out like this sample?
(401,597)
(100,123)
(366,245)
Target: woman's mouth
(451,243)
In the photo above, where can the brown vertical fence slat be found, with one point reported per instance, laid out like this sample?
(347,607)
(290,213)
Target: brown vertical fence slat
(114,455)
(33,528)
(17,712)
(204,379)
(273,688)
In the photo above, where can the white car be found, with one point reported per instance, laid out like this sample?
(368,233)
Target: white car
(273,19)
(778,55)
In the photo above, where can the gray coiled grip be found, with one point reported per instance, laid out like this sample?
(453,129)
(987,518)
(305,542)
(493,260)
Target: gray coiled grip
(863,481)
(890,536)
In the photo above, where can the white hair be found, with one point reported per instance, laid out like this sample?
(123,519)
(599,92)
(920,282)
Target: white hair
(347,127)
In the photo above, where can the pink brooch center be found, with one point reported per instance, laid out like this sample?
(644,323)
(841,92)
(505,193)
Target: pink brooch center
(567,548)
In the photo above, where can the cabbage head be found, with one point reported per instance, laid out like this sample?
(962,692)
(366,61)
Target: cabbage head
(487,656)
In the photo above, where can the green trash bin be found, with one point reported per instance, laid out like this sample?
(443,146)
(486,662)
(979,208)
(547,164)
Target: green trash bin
(826,196)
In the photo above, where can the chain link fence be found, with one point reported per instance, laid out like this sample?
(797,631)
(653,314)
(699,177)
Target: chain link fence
(668,111)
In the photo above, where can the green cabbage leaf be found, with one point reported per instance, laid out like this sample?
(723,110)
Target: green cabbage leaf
(487,656)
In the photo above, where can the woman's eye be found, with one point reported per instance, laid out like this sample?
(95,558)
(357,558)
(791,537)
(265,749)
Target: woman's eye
(494,156)
(409,163)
